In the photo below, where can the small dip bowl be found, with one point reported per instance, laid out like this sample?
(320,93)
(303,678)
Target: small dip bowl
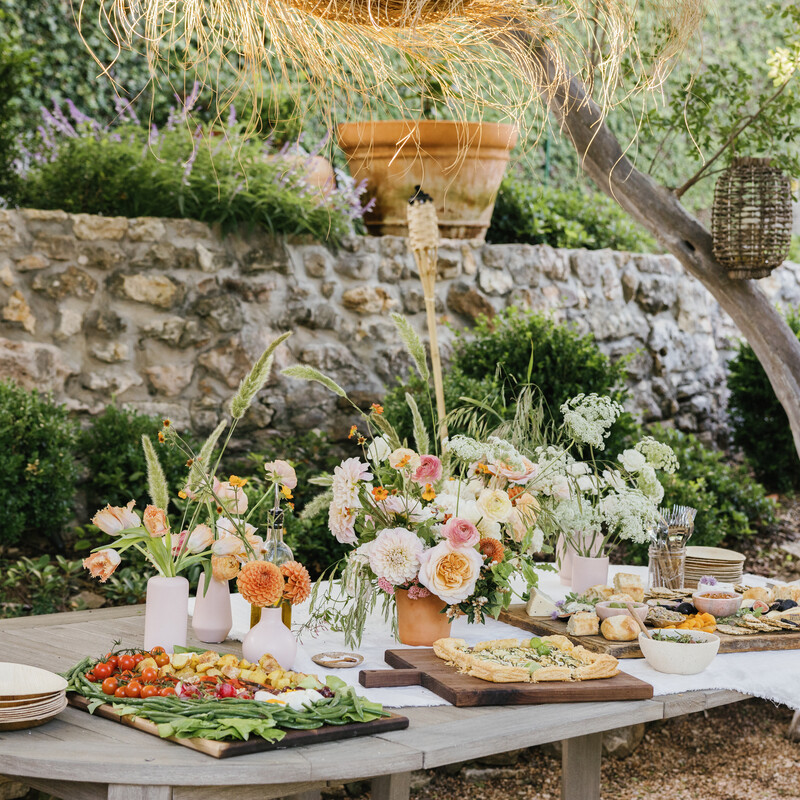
(677,658)
(604,610)
(719,602)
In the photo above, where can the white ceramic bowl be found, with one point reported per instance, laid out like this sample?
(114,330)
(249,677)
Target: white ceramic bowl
(675,658)
(604,610)
(718,606)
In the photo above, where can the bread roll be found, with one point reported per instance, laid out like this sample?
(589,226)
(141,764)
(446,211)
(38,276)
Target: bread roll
(599,592)
(583,623)
(620,628)
(759,593)
(627,583)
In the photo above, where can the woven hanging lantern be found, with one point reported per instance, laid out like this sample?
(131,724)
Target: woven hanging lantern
(751,219)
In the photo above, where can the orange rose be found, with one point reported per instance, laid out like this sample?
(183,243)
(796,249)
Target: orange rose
(450,573)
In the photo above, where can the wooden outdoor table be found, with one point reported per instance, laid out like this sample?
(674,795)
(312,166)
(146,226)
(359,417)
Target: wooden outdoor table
(78,757)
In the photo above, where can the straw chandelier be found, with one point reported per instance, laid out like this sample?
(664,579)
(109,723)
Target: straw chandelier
(351,47)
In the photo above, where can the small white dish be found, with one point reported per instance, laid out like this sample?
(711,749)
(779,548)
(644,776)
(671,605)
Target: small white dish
(676,658)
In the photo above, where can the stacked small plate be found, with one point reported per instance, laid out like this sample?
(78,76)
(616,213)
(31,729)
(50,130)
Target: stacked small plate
(29,696)
(726,566)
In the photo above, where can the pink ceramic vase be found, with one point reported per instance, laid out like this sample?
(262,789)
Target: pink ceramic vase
(166,614)
(212,619)
(588,572)
(564,554)
(271,636)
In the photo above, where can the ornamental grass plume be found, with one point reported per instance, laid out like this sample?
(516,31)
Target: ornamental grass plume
(492,549)
(297,588)
(413,344)
(311,374)
(156,480)
(260,583)
(254,381)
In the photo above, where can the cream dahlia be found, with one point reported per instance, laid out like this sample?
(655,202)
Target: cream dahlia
(395,555)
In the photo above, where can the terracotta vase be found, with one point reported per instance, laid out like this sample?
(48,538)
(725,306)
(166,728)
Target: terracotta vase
(271,636)
(420,622)
(212,619)
(588,572)
(459,164)
(166,615)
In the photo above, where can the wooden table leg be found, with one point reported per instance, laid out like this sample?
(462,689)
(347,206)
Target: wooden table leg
(580,767)
(391,787)
(121,791)
(794,728)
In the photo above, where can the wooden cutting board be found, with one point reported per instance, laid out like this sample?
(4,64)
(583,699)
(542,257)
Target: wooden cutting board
(418,667)
(327,733)
(544,626)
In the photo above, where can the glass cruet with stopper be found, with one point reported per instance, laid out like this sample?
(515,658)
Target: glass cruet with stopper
(278,552)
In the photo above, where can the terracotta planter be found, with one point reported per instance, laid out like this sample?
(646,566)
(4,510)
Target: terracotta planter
(459,164)
(316,170)
(420,622)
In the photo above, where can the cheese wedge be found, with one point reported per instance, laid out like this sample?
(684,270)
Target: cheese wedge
(540,604)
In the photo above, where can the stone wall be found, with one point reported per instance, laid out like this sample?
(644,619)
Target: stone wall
(167,316)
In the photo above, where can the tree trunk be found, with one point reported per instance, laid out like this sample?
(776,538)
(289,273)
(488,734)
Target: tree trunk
(661,213)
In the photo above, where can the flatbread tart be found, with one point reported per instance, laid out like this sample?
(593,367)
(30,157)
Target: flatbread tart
(549,658)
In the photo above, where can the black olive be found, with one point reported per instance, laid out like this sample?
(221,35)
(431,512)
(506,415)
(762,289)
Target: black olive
(787,604)
(686,608)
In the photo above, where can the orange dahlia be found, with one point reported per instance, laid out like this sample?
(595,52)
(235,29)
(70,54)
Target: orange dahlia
(260,583)
(492,549)
(298,582)
(224,568)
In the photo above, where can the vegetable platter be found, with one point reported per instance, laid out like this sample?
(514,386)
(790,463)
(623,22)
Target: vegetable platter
(221,705)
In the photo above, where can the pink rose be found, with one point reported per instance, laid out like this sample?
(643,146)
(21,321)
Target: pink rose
(429,470)
(460,532)
(102,564)
(281,472)
(155,521)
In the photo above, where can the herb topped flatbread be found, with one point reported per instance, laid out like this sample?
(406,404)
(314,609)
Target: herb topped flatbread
(549,658)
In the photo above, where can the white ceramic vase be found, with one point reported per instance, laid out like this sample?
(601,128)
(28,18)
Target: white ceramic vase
(588,572)
(564,554)
(166,615)
(271,636)
(212,619)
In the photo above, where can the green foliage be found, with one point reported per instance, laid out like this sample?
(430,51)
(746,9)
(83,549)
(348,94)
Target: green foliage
(533,214)
(126,587)
(116,470)
(794,250)
(504,355)
(14,77)
(225,180)
(38,586)
(37,443)
(730,504)
(759,423)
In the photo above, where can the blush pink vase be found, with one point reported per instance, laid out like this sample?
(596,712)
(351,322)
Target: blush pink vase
(564,554)
(588,572)
(212,619)
(271,636)
(166,614)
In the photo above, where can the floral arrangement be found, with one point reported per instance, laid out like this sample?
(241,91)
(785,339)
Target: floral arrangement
(214,527)
(456,523)
(263,583)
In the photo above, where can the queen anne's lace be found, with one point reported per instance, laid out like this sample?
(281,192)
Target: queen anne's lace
(659,455)
(630,513)
(588,418)
(493,449)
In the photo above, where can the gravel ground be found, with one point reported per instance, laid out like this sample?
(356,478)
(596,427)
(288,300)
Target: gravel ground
(765,555)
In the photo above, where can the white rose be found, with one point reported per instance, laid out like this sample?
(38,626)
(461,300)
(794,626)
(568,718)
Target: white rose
(379,450)
(488,528)
(561,489)
(632,460)
(579,468)
(495,504)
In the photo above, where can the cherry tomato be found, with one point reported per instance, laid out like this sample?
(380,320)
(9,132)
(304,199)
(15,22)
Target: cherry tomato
(109,686)
(149,674)
(133,689)
(226,690)
(156,650)
(120,692)
(162,659)
(90,676)
(112,659)
(126,662)
(166,691)
(102,670)
(138,657)
(148,691)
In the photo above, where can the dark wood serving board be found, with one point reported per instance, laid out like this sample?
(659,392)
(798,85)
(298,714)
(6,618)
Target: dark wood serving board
(327,733)
(544,626)
(414,667)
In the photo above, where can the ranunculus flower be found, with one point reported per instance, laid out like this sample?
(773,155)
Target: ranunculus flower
(403,458)
(231,497)
(379,449)
(201,538)
(632,460)
(429,470)
(561,489)
(495,504)
(102,564)
(522,474)
(450,572)
(114,519)
(281,472)
(223,568)
(460,532)
(155,521)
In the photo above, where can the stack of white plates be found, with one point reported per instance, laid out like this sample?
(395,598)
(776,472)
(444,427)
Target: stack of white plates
(725,565)
(29,696)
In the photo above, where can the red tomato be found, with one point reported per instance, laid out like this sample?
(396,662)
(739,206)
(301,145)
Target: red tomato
(156,650)
(166,691)
(126,662)
(149,675)
(120,692)
(102,670)
(162,659)
(148,691)
(133,689)
(138,657)
(112,659)
(109,686)
(226,690)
